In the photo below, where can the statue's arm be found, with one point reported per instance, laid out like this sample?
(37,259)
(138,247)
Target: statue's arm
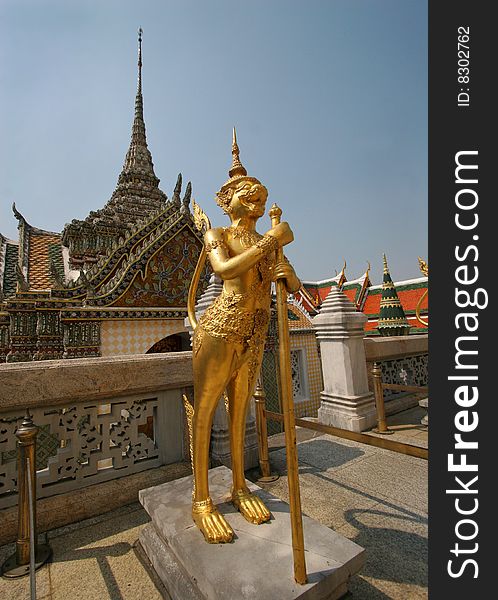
(230,267)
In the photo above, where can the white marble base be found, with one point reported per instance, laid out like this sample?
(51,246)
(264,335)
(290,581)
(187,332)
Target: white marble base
(354,413)
(256,565)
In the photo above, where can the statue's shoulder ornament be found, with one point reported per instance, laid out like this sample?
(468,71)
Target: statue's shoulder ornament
(214,238)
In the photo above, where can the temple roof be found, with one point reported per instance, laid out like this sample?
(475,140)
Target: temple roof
(45,256)
(92,258)
(136,196)
(367,297)
(409,293)
(355,289)
(35,261)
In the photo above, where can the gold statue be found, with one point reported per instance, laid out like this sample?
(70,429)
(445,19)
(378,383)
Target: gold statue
(229,338)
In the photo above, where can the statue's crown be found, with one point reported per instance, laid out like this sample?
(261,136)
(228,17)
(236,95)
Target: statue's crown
(236,173)
(237,168)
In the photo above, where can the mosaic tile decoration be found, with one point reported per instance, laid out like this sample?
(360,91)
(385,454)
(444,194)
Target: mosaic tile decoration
(297,320)
(269,375)
(307,382)
(9,276)
(312,373)
(41,248)
(136,336)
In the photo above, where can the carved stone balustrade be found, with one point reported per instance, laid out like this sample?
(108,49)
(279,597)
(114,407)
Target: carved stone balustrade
(404,361)
(99,418)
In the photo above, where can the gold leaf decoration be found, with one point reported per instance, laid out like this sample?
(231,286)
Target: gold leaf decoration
(201,220)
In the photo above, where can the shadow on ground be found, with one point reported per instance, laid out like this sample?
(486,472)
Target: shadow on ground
(394,534)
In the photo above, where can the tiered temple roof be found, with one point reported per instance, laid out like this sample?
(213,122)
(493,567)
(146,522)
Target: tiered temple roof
(409,291)
(392,318)
(47,260)
(131,260)
(136,197)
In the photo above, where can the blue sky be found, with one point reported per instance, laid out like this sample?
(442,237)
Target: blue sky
(329,99)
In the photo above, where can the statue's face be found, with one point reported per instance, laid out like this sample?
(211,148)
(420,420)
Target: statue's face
(249,197)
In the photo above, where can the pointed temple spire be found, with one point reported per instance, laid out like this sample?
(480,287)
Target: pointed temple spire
(392,319)
(175,199)
(136,196)
(138,158)
(139,87)
(186,199)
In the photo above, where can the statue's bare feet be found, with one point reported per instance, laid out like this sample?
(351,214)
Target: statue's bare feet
(213,524)
(250,506)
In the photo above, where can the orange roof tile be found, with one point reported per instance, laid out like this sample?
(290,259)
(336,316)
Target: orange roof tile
(299,321)
(39,261)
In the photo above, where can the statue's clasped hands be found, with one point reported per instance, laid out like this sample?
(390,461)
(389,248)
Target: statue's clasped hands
(283,269)
(282,232)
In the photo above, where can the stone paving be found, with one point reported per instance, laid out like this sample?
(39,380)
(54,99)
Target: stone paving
(373,496)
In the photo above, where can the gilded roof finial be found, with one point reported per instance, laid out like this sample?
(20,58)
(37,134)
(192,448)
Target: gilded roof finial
(342,276)
(423,266)
(237,168)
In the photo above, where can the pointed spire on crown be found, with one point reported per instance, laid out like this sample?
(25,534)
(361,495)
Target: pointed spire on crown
(237,167)
(236,174)
(139,102)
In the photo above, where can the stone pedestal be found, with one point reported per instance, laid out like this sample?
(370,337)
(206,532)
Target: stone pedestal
(220,435)
(346,401)
(256,565)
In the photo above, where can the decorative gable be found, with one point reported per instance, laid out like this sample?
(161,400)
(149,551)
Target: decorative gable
(166,278)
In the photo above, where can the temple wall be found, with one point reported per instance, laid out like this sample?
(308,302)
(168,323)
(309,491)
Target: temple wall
(136,336)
